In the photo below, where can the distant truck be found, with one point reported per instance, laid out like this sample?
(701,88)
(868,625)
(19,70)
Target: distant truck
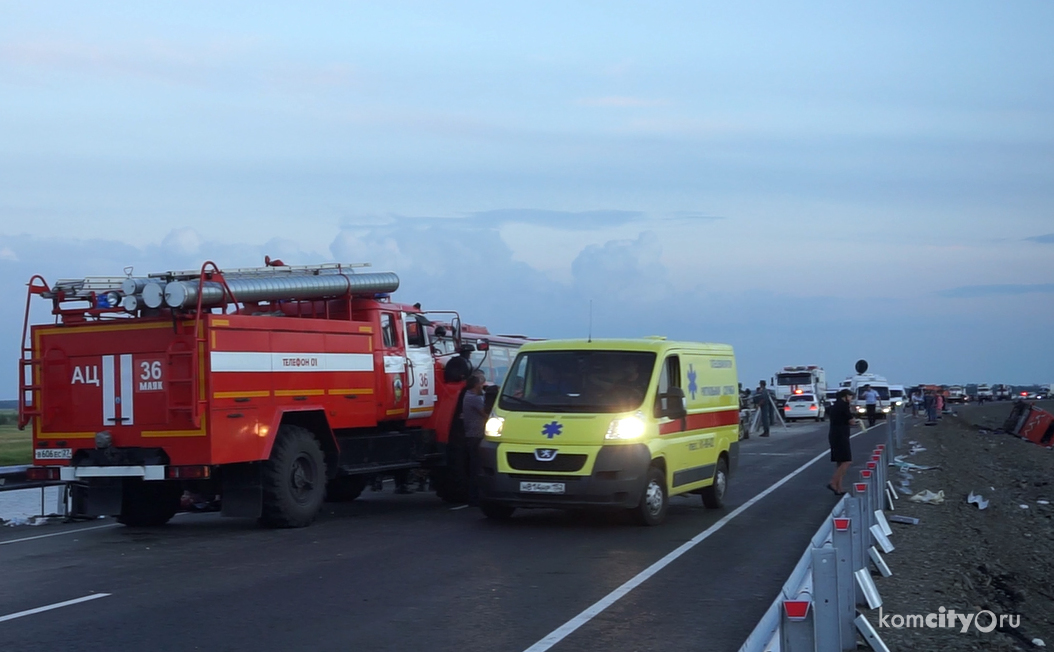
(956,394)
(1002,392)
(984,393)
(802,379)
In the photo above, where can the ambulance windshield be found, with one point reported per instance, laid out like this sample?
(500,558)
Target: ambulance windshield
(577,381)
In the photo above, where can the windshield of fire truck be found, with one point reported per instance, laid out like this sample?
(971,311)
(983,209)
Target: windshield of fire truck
(793,379)
(577,381)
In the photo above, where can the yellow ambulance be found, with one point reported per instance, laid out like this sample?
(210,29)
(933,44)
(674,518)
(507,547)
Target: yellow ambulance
(612,424)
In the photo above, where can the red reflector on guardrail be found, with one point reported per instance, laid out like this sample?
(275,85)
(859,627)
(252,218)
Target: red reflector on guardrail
(880,447)
(872,465)
(865,474)
(860,487)
(797,609)
(841,524)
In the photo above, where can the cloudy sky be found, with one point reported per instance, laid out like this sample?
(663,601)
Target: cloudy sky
(811,182)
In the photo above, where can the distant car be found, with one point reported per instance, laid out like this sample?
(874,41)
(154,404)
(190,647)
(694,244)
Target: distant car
(803,406)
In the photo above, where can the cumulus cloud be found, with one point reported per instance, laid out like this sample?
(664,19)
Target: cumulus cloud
(623,270)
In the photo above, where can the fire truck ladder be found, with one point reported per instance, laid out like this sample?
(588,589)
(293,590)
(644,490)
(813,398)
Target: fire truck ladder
(28,366)
(196,401)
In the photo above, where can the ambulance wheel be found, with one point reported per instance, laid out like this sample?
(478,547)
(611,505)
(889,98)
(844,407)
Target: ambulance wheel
(294,479)
(148,504)
(714,495)
(496,511)
(345,489)
(653,501)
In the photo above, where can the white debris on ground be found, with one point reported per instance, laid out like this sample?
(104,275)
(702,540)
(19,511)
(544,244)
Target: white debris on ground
(21,506)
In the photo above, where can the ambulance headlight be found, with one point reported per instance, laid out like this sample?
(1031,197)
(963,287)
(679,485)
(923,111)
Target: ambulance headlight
(860,408)
(494,426)
(631,427)
(885,409)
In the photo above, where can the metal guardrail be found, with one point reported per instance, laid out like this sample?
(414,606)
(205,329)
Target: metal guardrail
(13,478)
(817,608)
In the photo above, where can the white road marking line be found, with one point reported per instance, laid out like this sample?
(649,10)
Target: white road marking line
(454,509)
(57,605)
(561,632)
(59,534)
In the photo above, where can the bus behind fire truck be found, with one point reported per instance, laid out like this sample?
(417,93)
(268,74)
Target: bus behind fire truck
(270,387)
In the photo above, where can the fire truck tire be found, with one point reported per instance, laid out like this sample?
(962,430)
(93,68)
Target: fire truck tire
(294,479)
(714,495)
(148,504)
(345,488)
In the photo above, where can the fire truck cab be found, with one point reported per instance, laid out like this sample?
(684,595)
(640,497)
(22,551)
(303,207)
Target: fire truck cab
(270,387)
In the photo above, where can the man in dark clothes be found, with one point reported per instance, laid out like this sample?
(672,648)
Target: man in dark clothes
(459,367)
(474,415)
(841,417)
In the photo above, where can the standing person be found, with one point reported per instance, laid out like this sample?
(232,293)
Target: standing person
(916,400)
(871,403)
(940,405)
(474,416)
(930,403)
(841,416)
(763,402)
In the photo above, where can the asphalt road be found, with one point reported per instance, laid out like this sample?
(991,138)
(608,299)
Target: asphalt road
(392,572)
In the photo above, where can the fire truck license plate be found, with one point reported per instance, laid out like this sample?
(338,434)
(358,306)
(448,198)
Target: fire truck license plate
(542,487)
(53,453)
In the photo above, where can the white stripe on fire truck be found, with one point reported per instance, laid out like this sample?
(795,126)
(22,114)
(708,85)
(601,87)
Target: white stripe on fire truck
(109,415)
(127,391)
(263,361)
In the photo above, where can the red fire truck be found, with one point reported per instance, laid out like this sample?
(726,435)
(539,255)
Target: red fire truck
(270,387)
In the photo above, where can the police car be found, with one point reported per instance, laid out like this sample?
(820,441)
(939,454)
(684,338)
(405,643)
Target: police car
(804,406)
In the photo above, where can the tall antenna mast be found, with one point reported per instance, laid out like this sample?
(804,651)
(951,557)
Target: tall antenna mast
(590,320)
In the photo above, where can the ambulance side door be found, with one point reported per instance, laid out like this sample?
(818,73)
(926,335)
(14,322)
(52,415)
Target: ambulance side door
(701,396)
(673,432)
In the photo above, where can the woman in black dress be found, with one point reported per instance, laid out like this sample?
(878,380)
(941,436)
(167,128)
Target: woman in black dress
(841,453)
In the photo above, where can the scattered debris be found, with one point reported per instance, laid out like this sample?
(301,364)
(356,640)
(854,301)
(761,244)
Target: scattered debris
(1024,506)
(1038,642)
(977,499)
(906,520)
(899,461)
(22,520)
(928,497)
(1042,502)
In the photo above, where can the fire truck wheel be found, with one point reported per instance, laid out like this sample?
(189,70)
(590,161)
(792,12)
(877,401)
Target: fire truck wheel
(294,479)
(653,500)
(714,495)
(148,504)
(345,488)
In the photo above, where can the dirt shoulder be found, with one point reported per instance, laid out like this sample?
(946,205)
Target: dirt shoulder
(999,559)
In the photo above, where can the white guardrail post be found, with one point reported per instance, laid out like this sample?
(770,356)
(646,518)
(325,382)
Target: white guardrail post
(817,608)
(827,612)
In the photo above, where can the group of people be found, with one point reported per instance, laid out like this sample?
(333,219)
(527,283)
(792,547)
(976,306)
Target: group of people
(762,400)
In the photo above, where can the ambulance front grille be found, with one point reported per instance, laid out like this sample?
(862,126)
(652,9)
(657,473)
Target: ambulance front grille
(562,463)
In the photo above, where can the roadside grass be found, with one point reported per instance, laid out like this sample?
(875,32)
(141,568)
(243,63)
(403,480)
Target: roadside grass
(16,446)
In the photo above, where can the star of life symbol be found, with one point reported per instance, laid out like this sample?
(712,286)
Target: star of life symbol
(545,454)
(692,386)
(552,429)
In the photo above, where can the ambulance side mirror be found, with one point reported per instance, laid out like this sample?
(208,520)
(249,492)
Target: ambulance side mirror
(673,404)
(482,345)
